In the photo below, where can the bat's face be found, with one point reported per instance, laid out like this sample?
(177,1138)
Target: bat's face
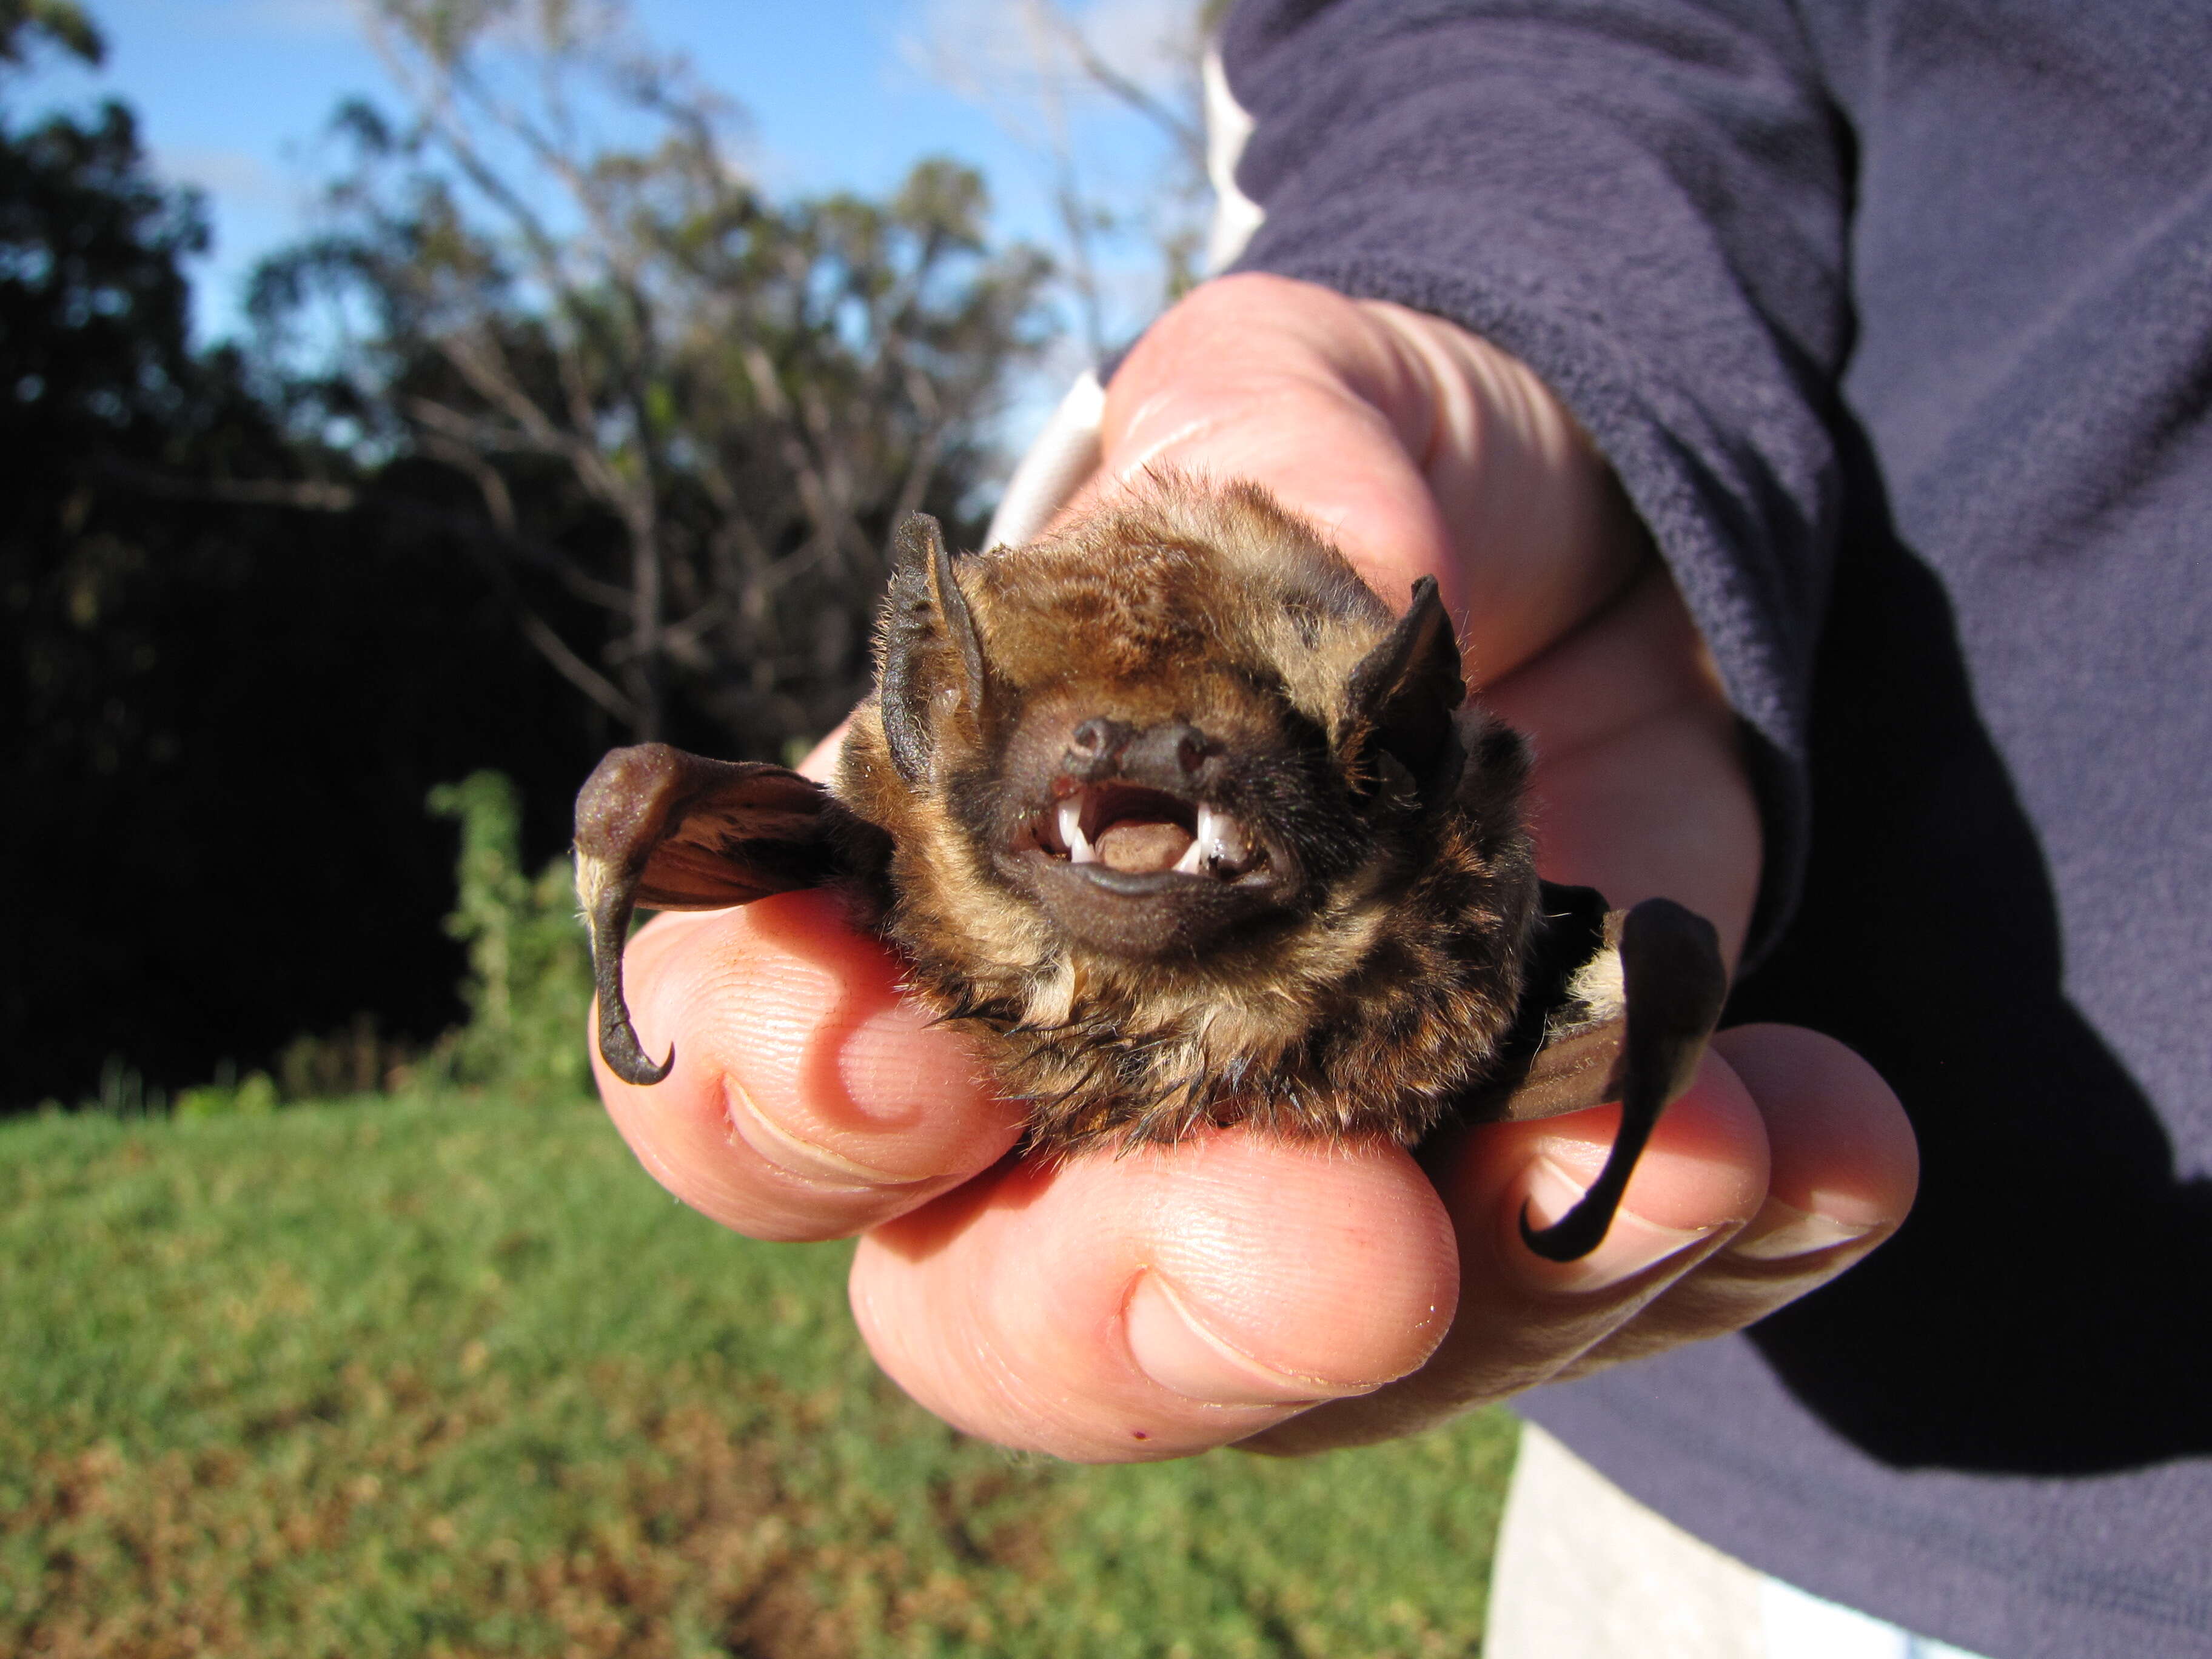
(1150,826)
(1179,755)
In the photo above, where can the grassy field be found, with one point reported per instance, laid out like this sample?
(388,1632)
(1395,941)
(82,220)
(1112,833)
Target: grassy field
(454,1378)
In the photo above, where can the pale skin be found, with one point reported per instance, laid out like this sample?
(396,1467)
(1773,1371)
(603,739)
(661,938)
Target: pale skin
(1236,1288)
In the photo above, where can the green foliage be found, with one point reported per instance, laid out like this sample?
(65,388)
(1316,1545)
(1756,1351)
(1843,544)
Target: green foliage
(529,986)
(252,1096)
(22,23)
(633,454)
(231,663)
(527,990)
(439,1381)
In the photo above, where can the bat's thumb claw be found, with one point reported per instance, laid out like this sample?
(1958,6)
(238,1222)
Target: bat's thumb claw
(625,1058)
(1574,1234)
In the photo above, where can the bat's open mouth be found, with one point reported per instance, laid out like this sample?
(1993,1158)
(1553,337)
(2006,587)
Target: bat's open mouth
(1135,830)
(1142,871)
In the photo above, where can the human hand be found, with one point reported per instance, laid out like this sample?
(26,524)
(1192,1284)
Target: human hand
(1235,1287)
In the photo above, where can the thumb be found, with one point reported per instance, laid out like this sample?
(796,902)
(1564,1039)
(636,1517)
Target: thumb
(1296,389)
(1416,447)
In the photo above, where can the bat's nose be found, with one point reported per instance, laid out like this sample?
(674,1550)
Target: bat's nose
(1095,749)
(1167,753)
(1170,755)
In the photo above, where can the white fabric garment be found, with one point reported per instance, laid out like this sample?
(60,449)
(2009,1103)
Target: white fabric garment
(1061,457)
(1584,1571)
(1228,126)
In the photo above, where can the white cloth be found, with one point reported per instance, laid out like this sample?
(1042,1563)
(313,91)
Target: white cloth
(1584,1571)
(1063,455)
(1228,125)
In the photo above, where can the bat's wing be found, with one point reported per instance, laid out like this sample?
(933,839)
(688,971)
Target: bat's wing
(1620,1008)
(671,831)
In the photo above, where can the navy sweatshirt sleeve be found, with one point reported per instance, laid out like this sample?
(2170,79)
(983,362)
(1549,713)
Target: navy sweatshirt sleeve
(1646,203)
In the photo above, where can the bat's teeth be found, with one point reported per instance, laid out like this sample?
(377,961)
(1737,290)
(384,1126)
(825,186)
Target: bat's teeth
(1223,839)
(1079,849)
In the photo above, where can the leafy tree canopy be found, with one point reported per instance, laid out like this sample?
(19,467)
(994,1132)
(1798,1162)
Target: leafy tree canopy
(693,410)
(222,703)
(24,23)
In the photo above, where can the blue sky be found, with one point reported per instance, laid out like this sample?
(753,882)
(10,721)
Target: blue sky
(234,95)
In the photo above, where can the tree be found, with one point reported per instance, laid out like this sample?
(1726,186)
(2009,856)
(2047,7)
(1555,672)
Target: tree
(222,703)
(685,409)
(26,24)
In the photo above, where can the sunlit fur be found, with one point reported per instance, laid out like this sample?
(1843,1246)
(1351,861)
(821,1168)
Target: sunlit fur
(1381,996)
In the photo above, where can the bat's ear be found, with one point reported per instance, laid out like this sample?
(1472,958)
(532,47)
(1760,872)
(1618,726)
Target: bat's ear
(672,831)
(1672,983)
(1401,699)
(928,643)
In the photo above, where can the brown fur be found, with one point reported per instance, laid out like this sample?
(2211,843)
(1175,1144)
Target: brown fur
(1373,988)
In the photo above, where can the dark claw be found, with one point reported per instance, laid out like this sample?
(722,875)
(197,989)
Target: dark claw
(676,831)
(618,1044)
(618,1047)
(1676,984)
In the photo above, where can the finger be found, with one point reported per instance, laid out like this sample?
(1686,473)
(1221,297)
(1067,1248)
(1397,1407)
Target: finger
(808,1099)
(1631,727)
(821,761)
(1845,1167)
(1294,388)
(1846,1163)
(1522,1319)
(1420,449)
(1162,1301)
(1542,530)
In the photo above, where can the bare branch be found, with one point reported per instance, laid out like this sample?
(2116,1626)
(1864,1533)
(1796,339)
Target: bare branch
(307,494)
(1188,136)
(734,400)
(1125,239)
(574,669)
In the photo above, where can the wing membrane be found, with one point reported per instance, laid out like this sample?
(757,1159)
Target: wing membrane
(673,831)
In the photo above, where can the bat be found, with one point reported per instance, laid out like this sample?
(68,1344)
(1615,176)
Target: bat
(1171,812)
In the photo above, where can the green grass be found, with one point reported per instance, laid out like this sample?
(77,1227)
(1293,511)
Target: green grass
(454,1378)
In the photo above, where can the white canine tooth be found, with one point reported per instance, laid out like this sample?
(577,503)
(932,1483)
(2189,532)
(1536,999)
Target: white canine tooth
(1079,849)
(1193,861)
(1222,837)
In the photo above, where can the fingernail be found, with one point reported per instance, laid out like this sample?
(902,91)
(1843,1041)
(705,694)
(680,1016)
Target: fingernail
(1631,1245)
(1181,1355)
(808,1160)
(876,1059)
(1794,1232)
